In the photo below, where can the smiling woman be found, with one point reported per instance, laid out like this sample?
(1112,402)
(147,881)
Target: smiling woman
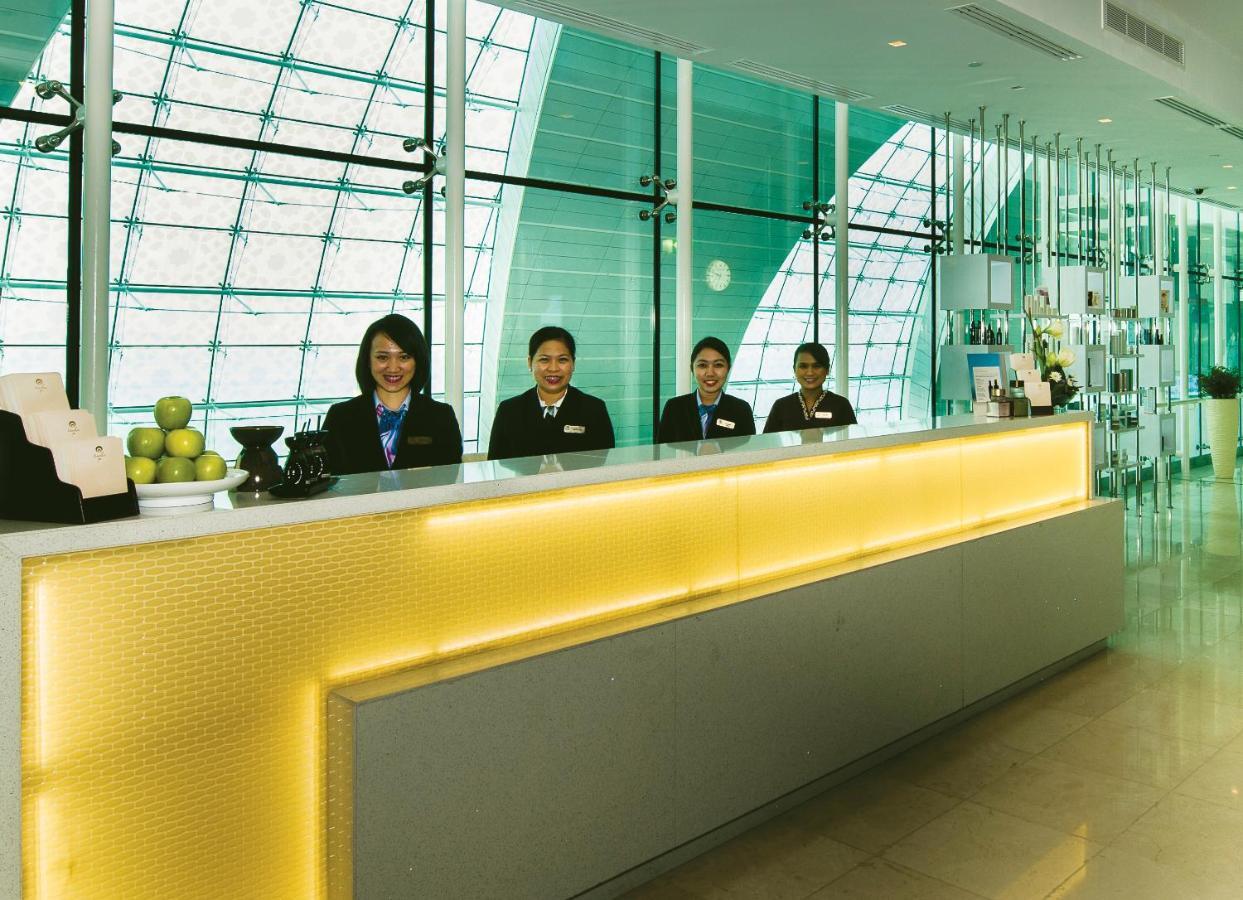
(551,417)
(390,425)
(707,412)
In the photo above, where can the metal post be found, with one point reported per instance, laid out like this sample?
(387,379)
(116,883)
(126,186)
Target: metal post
(683,323)
(1219,291)
(1182,339)
(96,212)
(960,195)
(841,186)
(455,204)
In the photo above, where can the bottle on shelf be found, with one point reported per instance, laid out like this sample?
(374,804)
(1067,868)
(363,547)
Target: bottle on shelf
(988,334)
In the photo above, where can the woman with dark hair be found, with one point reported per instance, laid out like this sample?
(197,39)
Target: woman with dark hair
(707,411)
(390,424)
(551,417)
(811,406)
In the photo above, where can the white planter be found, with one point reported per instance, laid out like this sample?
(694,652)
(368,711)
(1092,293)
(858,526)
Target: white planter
(1221,421)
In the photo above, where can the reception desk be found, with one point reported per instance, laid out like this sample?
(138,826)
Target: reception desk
(539,677)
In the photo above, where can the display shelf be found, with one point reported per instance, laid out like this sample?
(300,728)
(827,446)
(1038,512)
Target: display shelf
(976,281)
(1157,365)
(1077,290)
(954,377)
(1152,295)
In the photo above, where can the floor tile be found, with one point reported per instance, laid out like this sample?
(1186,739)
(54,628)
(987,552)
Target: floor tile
(1130,753)
(1185,716)
(1076,801)
(1026,726)
(871,812)
(1220,780)
(1198,839)
(1115,875)
(878,879)
(775,861)
(955,763)
(992,854)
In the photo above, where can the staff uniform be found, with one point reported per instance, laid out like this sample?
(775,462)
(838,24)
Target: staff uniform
(683,419)
(427,436)
(524,427)
(789,414)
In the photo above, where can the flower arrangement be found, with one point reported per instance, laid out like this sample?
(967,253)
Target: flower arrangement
(1052,362)
(1219,383)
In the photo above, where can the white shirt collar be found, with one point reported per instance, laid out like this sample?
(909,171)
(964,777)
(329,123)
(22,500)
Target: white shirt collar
(557,404)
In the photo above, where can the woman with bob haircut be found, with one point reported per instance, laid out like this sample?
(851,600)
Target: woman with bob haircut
(390,424)
(706,412)
(811,406)
(552,417)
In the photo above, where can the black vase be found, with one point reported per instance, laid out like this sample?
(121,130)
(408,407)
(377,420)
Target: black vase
(257,456)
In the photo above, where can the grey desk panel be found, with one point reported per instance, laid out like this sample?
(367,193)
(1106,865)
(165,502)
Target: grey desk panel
(527,780)
(776,692)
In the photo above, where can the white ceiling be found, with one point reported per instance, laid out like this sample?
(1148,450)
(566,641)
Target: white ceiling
(844,42)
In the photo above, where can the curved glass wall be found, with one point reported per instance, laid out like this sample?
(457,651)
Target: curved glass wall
(263,224)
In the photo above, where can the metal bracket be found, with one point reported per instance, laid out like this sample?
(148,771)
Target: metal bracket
(666,196)
(438,161)
(820,225)
(49,142)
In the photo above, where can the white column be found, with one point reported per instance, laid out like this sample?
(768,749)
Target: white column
(959,195)
(455,204)
(96,212)
(1182,339)
(841,247)
(1219,291)
(684,298)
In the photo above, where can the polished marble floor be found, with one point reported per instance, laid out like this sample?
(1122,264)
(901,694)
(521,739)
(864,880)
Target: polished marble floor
(1119,778)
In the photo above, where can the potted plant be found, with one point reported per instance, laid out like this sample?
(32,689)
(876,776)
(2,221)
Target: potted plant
(1221,412)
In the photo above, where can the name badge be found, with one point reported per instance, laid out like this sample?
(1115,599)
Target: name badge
(725,423)
(823,415)
(420,439)
(575,429)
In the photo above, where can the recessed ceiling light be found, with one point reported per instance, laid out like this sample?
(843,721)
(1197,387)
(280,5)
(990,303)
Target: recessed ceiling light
(1231,188)
(1105,121)
(974,65)
(897,43)
(1017,87)
(1227,165)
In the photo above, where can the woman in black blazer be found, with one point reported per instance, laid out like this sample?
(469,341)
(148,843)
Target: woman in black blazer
(707,412)
(811,406)
(391,425)
(551,417)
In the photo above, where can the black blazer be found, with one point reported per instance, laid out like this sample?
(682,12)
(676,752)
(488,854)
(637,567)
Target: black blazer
(429,436)
(787,413)
(520,427)
(680,419)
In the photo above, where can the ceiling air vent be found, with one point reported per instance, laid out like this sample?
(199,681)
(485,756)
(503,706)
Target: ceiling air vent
(1014,31)
(802,82)
(1115,18)
(1188,110)
(918,115)
(577,18)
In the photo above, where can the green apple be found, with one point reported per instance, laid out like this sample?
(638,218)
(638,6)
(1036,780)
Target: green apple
(146,442)
(209,467)
(172,412)
(140,469)
(174,469)
(186,443)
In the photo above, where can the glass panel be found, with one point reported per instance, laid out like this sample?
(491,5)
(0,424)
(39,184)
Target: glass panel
(583,263)
(248,293)
(753,142)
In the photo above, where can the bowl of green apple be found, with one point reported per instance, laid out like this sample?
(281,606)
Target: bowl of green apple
(173,471)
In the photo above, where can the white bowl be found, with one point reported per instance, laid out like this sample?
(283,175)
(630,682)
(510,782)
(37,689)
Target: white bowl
(182,497)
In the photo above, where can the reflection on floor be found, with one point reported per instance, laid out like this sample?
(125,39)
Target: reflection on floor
(1119,778)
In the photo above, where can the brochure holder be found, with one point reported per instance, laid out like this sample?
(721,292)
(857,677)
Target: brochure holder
(31,491)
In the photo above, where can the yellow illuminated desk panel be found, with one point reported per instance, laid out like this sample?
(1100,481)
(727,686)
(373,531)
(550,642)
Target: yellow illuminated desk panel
(174,673)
